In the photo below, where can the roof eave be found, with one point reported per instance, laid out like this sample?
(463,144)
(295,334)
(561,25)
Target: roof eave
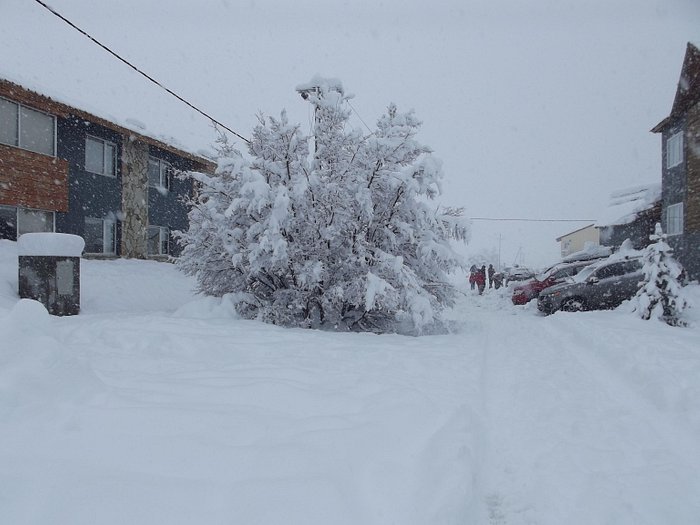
(18,92)
(661,126)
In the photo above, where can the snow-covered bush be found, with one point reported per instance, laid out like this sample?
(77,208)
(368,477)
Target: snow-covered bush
(345,238)
(660,296)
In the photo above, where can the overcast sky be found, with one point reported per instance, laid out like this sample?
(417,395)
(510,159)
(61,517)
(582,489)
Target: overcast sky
(537,108)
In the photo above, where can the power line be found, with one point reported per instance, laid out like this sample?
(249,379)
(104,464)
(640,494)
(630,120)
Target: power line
(358,116)
(527,220)
(146,75)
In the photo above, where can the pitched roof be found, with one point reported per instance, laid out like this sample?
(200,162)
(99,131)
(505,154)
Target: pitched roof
(40,101)
(575,231)
(688,91)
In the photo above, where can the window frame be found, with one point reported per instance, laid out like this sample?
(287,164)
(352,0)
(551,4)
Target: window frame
(104,143)
(18,216)
(18,135)
(104,223)
(10,210)
(165,170)
(163,236)
(674,150)
(674,219)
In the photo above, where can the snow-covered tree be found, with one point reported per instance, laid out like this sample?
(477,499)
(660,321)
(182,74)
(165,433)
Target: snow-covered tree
(660,296)
(345,237)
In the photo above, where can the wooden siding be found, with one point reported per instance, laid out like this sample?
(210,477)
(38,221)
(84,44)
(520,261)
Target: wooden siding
(692,151)
(33,180)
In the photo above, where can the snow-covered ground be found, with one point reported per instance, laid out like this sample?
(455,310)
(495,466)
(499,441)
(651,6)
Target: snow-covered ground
(155,406)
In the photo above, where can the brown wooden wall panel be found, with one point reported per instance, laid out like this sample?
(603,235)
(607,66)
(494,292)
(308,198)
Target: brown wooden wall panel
(33,180)
(692,150)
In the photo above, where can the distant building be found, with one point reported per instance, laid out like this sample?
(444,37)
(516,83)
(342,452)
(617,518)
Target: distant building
(579,239)
(631,214)
(63,169)
(680,179)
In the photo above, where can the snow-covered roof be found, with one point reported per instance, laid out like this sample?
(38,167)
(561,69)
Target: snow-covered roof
(66,67)
(43,102)
(123,116)
(625,205)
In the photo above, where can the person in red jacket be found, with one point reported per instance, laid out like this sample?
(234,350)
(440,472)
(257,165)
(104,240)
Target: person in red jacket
(481,279)
(472,276)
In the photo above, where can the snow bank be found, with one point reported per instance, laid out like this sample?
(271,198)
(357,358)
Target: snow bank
(156,406)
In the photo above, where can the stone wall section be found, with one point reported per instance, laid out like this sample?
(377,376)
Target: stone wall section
(134,198)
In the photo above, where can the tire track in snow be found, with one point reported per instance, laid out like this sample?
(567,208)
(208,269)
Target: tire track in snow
(498,502)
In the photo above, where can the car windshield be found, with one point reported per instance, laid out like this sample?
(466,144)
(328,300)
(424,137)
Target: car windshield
(584,274)
(542,276)
(546,273)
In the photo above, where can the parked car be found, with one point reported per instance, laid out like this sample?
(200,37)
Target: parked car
(518,273)
(556,274)
(605,284)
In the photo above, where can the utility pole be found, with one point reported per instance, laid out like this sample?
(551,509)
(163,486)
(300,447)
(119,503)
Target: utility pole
(315,90)
(499,251)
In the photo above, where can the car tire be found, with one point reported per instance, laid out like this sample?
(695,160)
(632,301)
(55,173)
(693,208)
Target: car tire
(573,304)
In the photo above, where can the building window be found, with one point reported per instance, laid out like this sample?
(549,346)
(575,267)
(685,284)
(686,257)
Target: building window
(674,219)
(100,156)
(566,247)
(674,150)
(27,128)
(8,223)
(33,221)
(158,240)
(159,173)
(100,236)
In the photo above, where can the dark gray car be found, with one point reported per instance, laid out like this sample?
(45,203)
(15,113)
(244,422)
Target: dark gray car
(602,285)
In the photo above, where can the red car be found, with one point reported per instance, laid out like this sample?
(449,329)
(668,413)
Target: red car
(556,274)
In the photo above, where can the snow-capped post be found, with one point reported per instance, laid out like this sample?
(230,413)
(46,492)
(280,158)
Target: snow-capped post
(314,92)
(660,295)
(346,240)
(49,270)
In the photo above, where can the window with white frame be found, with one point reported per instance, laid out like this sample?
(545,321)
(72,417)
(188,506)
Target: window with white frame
(566,247)
(100,236)
(27,128)
(674,150)
(674,219)
(18,221)
(159,173)
(33,221)
(100,156)
(158,241)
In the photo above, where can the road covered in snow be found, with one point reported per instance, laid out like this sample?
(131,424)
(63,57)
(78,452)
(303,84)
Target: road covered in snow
(156,406)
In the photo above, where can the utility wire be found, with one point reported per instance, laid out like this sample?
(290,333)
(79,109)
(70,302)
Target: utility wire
(181,99)
(527,220)
(358,116)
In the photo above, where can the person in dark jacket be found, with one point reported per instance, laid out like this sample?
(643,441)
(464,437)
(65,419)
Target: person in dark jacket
(491,272)
(497,280)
